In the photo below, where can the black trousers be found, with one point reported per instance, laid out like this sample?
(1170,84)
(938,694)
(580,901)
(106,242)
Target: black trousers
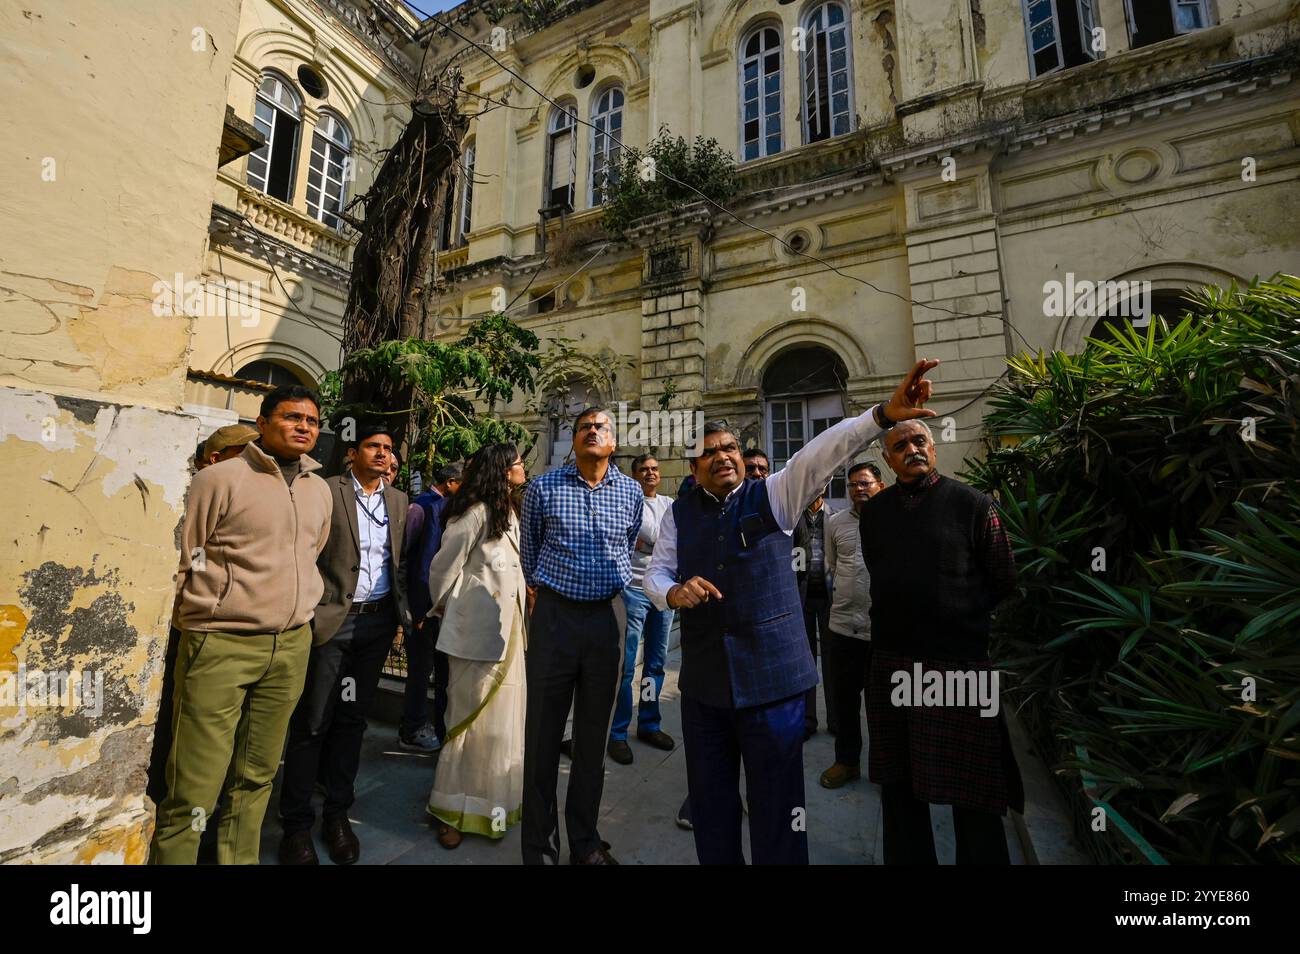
(816,619)
(909,839)
(845,664)
(423,657)
(575,657)
(330,719)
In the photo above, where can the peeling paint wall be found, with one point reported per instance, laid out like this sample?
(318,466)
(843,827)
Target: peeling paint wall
(107,151)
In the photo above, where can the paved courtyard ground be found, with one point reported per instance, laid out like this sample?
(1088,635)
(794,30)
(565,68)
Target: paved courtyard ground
(640,804)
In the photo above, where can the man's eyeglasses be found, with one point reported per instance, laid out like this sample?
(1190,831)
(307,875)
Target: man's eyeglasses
(593,426)
(755,469)
(297,419)
(862,484)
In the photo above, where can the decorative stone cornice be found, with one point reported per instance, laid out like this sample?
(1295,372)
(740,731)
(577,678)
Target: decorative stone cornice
(654,229)
(802,163)
(231,229)
(368,31)
(681,13)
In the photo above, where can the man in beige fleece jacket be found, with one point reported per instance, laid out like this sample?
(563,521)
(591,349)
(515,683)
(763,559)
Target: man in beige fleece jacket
(248,586)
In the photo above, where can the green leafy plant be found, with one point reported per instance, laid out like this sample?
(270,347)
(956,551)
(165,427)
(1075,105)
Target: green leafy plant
(680,168)
(1151,489)
(494,360)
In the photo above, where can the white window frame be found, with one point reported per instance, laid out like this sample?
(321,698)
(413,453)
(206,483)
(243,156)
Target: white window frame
(610,151)
(337,140)
(554,128)
(744,60)
(464,218)
(1087,15)
(277,106)
(1087,23)
(808,67)
(1029,39)
(818,406)
(1202,6)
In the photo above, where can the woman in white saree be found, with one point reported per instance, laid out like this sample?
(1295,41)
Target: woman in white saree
(477,586)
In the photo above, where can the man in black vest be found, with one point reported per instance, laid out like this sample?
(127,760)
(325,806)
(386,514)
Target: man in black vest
(745,658)
(939,562)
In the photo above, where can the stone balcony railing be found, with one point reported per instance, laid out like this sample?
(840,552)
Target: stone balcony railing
(453,258)
(292,225)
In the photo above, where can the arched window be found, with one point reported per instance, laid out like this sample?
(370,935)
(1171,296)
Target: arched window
(760,93)
(269,372)
(331,169)
(827,77)
(561,159)
(607,118)
(467,192)
(802,391)
(278,117)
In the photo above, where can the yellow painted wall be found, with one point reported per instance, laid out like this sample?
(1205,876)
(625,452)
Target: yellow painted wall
(108,144)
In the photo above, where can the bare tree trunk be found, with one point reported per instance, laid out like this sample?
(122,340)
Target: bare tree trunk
(393,264)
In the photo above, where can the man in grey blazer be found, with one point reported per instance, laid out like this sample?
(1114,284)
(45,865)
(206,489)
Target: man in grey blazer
(364,601)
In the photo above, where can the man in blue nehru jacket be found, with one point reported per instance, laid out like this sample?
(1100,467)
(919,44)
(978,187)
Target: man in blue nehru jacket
(723,559)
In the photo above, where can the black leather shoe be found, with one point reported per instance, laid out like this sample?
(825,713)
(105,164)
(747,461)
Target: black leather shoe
(620,752)
(343,846)
(660,740)
(600,856)
(297,848)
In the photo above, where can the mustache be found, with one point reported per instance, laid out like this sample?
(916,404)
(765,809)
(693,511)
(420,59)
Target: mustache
(916,459)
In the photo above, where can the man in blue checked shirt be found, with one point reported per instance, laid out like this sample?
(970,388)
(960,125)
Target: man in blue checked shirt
(580,523)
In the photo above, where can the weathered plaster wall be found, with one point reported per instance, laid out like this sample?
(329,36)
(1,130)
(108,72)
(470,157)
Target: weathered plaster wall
(107,151)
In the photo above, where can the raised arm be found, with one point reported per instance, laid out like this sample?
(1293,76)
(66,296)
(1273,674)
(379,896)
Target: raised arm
(795,485)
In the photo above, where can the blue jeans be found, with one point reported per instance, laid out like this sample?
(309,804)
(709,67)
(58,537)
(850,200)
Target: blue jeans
(642,617)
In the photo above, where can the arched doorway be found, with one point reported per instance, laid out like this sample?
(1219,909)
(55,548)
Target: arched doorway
(803,395)
(1166,303)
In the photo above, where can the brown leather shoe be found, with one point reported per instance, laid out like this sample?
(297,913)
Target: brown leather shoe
(448,837)
(343,846)
(619,751)
(600,856)
(297,848)
(838,774)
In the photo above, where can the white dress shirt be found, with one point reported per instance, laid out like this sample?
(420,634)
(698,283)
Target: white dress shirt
(373,580)
(789,491)
(651,516)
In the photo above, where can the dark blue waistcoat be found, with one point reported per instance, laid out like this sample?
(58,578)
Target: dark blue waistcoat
(750,648)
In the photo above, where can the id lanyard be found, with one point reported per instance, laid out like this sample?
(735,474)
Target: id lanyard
(372,514)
